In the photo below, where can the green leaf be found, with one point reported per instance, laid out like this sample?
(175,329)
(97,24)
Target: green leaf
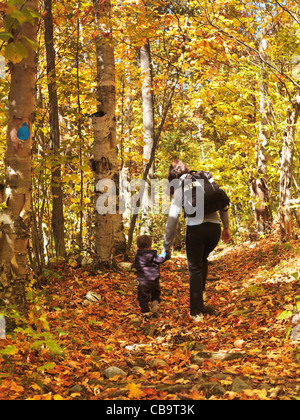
(5,36)
(34,13)
(121,292)
(30,43)
(43,318)
(54,347)
(13,2)
(3,206)
(15,52)
(10,23)
(9,350)
(46,367)
(285,315)
(20,16)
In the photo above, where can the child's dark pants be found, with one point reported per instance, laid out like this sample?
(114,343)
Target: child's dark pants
(148,291)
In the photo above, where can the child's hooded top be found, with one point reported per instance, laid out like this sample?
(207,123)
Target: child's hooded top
(146,262)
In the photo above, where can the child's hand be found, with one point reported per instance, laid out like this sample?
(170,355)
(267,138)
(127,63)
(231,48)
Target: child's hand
(163,254)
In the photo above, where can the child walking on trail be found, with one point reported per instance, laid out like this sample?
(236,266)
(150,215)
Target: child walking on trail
(147,263)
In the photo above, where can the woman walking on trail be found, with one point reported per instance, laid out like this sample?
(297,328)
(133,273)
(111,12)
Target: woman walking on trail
(202,236)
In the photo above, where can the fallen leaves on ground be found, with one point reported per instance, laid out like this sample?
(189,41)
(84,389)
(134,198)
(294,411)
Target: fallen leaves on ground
(243,353)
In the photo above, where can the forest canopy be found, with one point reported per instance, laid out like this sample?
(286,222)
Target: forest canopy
(213,83)
(97,98)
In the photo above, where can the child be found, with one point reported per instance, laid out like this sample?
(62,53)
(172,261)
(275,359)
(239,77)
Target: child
(146,262)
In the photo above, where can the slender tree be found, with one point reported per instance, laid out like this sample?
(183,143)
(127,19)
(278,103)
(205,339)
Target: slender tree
(259,184)
(148,126)
(286,169)
(79,125)
(57,194)
(148,103)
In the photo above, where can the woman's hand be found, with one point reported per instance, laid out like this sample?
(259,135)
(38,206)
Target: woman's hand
(226,236)
(167,252)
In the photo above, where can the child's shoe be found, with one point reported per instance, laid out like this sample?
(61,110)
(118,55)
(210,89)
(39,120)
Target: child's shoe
(154,307)
(146,316)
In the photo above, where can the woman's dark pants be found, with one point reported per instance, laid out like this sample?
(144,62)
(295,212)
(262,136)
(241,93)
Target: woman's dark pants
(200,241)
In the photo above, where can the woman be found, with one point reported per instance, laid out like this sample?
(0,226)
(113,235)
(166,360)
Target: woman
(202,236)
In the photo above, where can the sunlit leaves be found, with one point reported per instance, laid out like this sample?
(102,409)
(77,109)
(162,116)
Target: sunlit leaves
(66,348)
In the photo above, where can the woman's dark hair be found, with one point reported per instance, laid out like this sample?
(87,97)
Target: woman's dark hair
(177,169)
(144,242)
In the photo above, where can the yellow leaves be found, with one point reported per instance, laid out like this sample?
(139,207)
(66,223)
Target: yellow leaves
(247,394)
(226,382)
(46,397)
(246,370)
(15,387)
(15,52)
(134,391)
(239,343)
(223,287)
(274,339)
(58,397)
(195,395)
(12,386)
(10,350)
(256,393)
(102,335)
(182,381)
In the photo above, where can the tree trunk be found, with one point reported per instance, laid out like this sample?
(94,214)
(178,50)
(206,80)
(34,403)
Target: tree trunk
(148,127)
(126,164)
(109,234)
(148,164)
(80,136)
(16,218)
(286,170)
(57,195)
(148,104)
(259,185)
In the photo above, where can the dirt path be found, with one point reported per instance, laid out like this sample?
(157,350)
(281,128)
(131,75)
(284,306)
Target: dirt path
(243,353)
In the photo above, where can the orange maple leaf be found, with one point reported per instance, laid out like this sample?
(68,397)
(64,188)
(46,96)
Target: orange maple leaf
(134,391)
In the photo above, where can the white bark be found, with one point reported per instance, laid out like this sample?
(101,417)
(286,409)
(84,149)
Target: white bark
(15,226)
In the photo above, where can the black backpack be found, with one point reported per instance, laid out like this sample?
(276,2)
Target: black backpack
(214,197)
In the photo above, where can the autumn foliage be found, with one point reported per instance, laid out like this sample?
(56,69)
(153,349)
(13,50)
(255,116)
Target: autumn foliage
(63,349)
(221,79)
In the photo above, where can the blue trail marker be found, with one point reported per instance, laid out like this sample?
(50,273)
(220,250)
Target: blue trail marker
(23,133)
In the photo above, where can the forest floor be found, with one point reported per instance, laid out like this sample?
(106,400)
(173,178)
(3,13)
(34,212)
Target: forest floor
(245,352)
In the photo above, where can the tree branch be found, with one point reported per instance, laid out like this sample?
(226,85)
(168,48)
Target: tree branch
(248,47)
(288,11)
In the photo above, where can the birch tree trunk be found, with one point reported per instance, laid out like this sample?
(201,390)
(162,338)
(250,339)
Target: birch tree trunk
(126,148)
(16,219)
(259,185)
(109,235)
(147,115)
(148,104)
(57,195)
(286,170)
(148,127)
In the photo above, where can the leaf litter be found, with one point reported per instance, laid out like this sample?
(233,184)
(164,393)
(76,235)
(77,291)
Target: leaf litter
(244,352)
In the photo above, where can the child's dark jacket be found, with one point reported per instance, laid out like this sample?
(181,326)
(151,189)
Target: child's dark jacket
(146,262)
